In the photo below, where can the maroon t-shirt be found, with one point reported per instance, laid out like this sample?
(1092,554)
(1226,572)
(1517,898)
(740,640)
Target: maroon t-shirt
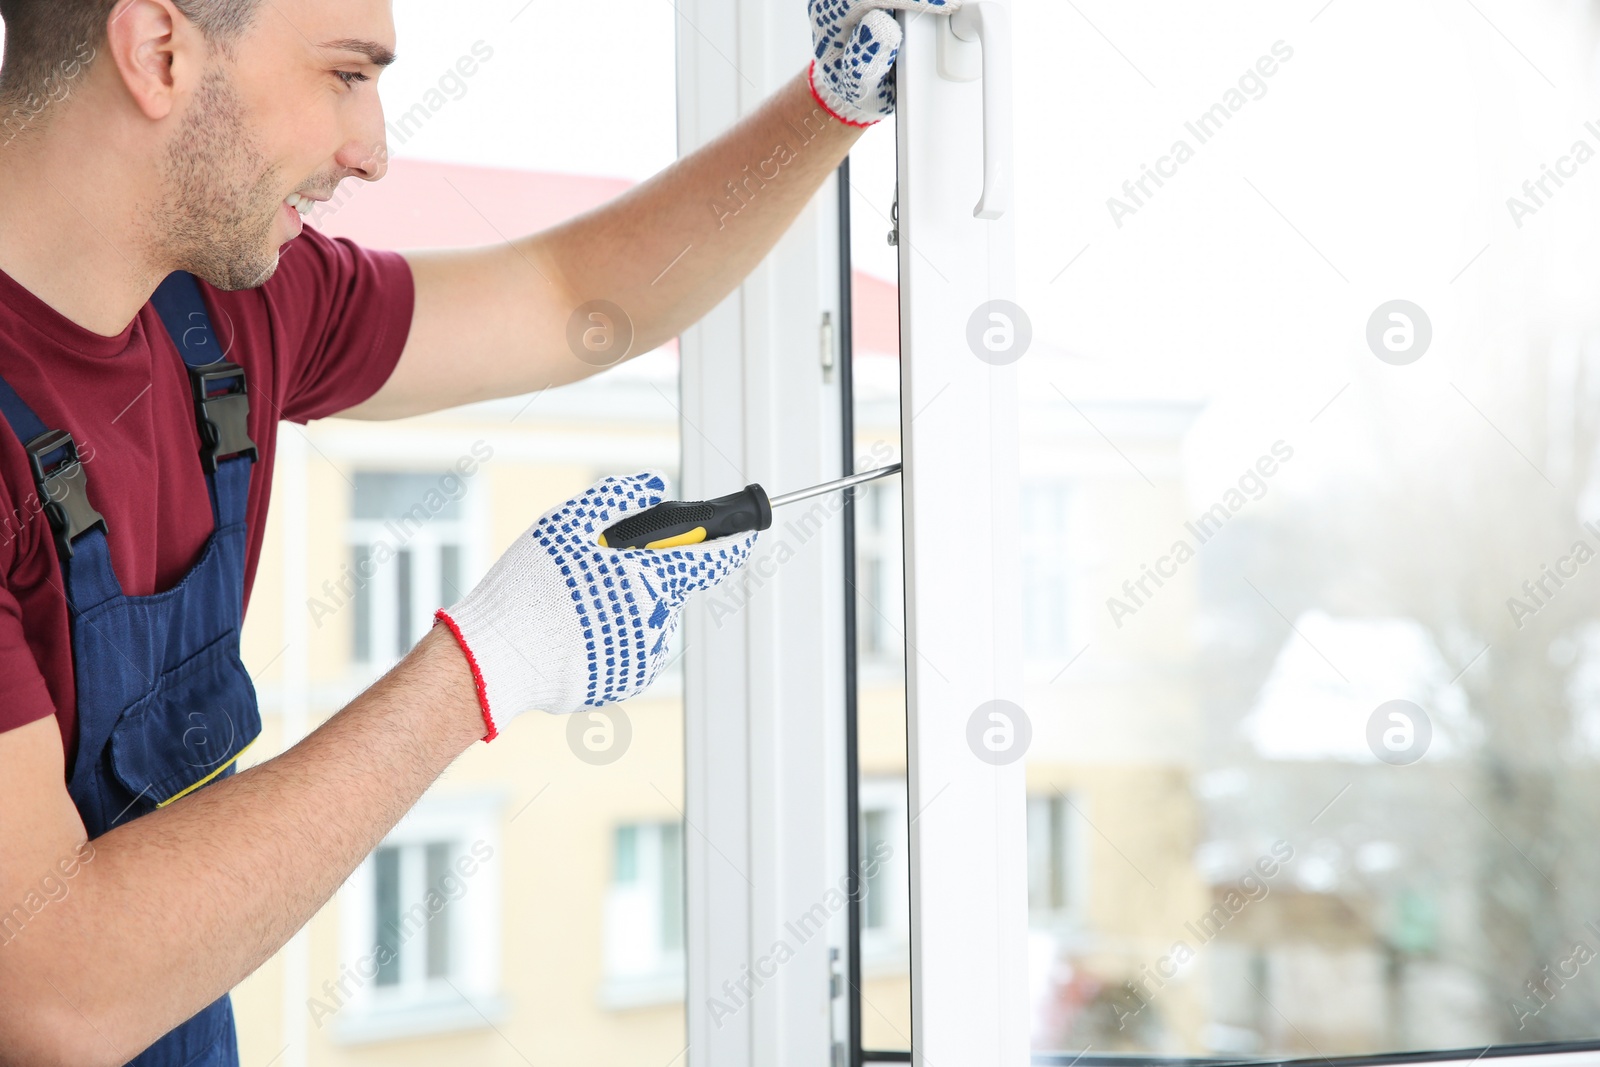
(322,335)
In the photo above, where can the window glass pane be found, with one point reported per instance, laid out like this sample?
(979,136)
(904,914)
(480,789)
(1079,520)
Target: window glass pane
(885,987)
(874,903)
(449,575)
(402,599)
(1322,697)
(362,614)
(1040,891)
(671,887)
(1048,857)
(386,933)
(440,888)
(627,864)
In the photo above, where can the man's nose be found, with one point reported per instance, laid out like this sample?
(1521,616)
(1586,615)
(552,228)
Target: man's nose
(366,153)
(367,160)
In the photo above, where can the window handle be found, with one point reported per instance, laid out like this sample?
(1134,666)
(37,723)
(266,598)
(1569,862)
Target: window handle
(974,42)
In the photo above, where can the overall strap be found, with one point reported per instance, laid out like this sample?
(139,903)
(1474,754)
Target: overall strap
(221,396)
(58,477)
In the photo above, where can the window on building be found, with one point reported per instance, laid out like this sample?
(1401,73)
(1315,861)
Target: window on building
(420,927)
(645,914)
(407,536)
(885,914)
(1052,867)
(413,894)
(880,611)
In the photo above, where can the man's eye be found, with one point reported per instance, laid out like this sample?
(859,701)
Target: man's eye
(350,77)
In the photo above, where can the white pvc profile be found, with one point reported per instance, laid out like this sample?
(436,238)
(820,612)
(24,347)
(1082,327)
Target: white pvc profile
(959,425)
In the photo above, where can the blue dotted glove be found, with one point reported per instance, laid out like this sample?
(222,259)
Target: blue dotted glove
(561,624)
(856,42)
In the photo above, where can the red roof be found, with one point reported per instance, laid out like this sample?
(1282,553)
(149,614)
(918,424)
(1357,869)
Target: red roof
(877,315)
(420,204)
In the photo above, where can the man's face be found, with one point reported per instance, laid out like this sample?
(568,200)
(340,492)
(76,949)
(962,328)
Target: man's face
(288,114)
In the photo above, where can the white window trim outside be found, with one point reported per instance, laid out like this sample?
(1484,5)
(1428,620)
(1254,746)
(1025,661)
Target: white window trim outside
(373,1014)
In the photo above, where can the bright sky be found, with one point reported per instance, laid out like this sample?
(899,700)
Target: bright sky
(1376,166)
(581,88)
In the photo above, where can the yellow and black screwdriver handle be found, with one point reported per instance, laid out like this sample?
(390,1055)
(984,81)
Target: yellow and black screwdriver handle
(674,523)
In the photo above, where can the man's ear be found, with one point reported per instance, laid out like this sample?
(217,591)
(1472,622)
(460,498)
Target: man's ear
(157,51)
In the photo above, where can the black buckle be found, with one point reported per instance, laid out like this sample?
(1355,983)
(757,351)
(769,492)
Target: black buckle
(63,490)
(222,417)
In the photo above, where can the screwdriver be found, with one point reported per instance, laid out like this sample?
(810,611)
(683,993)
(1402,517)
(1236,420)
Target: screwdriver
(688,522)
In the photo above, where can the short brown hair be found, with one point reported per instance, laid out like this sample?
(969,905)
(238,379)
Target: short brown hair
(49,41)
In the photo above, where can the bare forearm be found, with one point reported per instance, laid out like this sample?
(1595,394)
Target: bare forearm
(671,248)
(178,906)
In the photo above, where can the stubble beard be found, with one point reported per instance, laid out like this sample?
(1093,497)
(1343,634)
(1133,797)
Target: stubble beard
(219,195)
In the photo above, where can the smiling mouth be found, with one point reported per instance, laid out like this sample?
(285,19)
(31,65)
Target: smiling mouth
(300,203)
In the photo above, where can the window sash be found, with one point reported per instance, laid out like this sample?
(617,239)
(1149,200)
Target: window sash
(962,578)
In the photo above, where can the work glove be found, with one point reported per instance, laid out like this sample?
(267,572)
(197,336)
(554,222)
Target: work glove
(856,42)
(561,624)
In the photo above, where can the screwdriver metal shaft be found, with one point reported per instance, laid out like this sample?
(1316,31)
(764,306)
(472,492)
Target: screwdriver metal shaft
(842,483)
(675,523)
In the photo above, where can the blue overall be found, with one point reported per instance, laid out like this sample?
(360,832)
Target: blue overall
(164,702)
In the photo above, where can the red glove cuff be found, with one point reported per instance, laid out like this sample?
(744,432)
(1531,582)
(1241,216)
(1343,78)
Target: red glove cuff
(477,675)
(811,82)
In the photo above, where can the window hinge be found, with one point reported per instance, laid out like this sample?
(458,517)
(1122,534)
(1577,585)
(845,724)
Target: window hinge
(894,218)
(827,346)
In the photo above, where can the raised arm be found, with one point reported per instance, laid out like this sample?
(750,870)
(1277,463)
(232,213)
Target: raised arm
(494,321)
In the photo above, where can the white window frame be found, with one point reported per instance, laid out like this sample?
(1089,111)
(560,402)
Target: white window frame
(765,825)
(764,779)
(969,987)
(372,1013)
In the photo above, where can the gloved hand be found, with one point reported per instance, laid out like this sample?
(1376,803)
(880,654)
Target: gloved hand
(561,624)
(856,43)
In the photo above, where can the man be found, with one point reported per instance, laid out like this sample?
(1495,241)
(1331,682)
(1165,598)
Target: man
(153,142)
